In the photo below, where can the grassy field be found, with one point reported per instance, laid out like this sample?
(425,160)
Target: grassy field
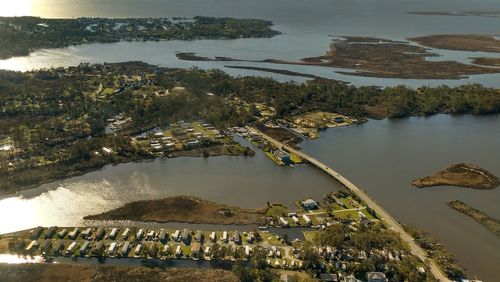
(183,209)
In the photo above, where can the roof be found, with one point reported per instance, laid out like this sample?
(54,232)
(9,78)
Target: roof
(328,277)
(376,276)
(309,202)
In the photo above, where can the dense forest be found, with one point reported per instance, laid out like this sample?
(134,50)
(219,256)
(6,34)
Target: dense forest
(21,35)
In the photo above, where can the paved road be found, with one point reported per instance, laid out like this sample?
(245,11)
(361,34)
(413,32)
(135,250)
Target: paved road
(384,215)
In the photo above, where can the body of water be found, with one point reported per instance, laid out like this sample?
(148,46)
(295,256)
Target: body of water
(383,157)
(306,26)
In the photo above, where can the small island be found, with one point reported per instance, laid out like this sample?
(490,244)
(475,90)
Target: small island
(183,209)
(490,223)
(462,175)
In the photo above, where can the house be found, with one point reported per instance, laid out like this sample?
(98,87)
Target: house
(307,219)
(163,235)
(125,248)
(86,233)
(328,277)
(84,248)
(137,251)
(73,234)
(351,278)
(195,249)
(139,234)
(284,222)
(213,237)
(185,236)
(32,246)
(376,277)
(71,248)
(36,233)
(178,251)
(59,246)
(50,232)
(62,233)
(113,233)
(237,237)
(199,236)
(309,204)
(176,235)
(126,233)
(99,248)
(46,245)
(247,250)
(224,236)
(112,248)
(100,233)
(284,158)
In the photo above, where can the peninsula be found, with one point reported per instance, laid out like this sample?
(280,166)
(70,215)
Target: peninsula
(97,115)
(20,36)
(462,175)
(460,42)
(183,209)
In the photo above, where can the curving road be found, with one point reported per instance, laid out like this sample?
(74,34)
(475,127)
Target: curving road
(384,215)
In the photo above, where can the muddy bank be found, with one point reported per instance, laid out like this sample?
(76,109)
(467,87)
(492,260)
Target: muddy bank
(485,220)
(375,57)
(492,62)
(462,175)
(460,42)
(183,209)
(67,272)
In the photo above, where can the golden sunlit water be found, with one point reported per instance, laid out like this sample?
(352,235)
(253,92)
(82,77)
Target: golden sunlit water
(10,8)
(15,259)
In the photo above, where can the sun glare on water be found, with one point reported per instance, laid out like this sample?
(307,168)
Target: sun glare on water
(10,8)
